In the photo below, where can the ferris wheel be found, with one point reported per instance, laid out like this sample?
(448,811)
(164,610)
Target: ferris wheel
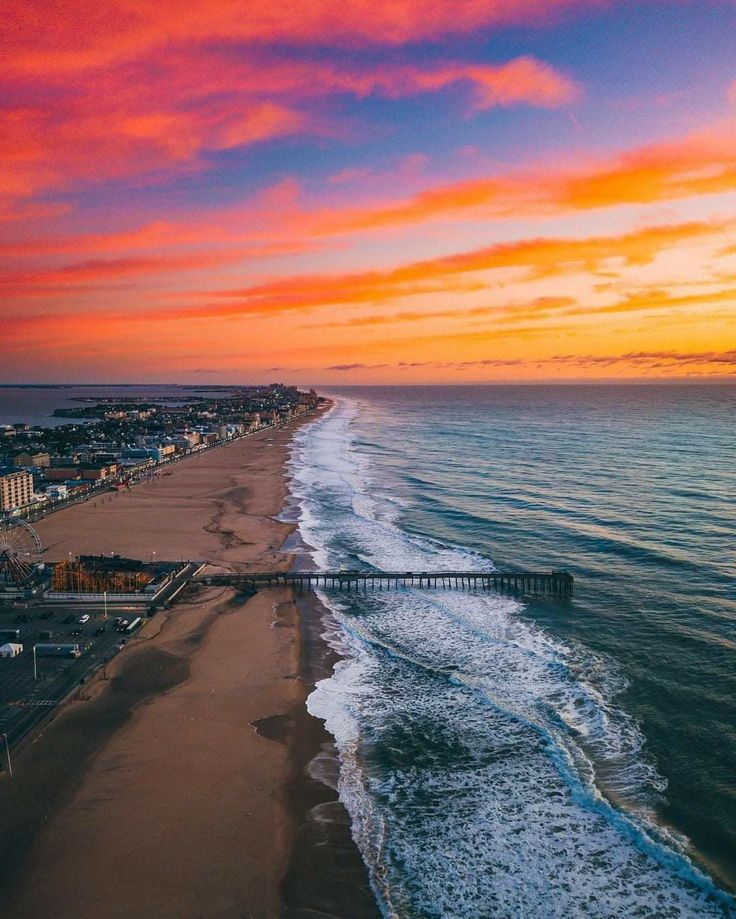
(20,550)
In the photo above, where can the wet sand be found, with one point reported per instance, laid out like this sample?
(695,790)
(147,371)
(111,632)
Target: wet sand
(177,786)
(326,876)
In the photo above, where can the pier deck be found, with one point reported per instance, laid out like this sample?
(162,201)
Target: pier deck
(554,583)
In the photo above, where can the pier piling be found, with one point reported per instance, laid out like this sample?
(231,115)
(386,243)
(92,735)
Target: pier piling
(552,583)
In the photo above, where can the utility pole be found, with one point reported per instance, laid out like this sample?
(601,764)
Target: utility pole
(7,753)
(35,667)
(105,595)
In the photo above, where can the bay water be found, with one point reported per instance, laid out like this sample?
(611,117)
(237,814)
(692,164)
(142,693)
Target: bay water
(34,404)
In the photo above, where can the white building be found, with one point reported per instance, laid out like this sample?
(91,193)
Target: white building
(11,649)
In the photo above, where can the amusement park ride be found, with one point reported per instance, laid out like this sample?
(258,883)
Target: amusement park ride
(23,572)
(20,554)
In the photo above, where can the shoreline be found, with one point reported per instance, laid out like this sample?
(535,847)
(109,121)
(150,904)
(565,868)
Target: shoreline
(165,793)
(326,875)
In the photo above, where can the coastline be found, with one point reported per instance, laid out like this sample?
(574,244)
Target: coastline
(326,875)
(166,792)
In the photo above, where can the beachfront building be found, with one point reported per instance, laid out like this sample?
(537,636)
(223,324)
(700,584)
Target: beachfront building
(91,472)
(16,490)
(192,438)
(136,465)
(62,473)
(26,460)
(135,453)
(163,451)
(155,451)
(59,492)
(96,455)
(232,429)
(94,472)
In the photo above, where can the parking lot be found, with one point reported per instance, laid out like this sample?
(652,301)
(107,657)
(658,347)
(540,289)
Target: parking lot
(26,697)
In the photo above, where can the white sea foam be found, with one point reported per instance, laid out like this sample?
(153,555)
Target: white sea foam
(473,745)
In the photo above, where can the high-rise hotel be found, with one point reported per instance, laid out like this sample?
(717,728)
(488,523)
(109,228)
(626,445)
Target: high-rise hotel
(16,490)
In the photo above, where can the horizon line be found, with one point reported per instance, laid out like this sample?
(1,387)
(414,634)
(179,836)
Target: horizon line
(541,381)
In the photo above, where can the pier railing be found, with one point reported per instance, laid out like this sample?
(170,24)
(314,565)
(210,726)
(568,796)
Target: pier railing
(554,583)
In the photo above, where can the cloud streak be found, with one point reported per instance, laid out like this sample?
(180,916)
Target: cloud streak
(533,258)
(175,113)
(85,36)
(393,187)
(642,360)
(688,167)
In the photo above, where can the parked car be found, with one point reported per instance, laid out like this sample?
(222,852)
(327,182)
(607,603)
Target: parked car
(83,619)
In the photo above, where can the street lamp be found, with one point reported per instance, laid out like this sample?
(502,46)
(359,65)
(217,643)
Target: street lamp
(7,753)
(35,666)
(105,595)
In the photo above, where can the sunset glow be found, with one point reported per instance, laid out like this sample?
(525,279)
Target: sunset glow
(394,191)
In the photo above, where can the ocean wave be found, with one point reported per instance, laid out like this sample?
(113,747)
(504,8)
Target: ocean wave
(479,756)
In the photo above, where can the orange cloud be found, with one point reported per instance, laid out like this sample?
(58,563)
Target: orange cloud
(697,165)
(657,299)
(640,361)
(539,319)
(541,306)
(94,273)
(101,98)
(536,258)
(643,360)
(250,221)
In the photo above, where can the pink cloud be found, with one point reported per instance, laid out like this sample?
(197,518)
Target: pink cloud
(87,35)
(150,118)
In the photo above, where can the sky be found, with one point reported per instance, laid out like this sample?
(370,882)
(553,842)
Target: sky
(373,191)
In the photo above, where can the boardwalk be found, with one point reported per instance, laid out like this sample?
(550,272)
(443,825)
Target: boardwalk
(554,583)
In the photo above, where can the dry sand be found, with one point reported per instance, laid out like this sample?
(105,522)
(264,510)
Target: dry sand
(217,506)
(153,795)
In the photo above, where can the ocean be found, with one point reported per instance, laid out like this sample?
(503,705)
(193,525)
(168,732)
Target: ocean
(512,757)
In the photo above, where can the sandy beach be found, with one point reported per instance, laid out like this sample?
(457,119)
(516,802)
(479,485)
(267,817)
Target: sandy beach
(177,786)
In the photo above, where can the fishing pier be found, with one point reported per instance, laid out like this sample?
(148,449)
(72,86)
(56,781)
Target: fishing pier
(550,583)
